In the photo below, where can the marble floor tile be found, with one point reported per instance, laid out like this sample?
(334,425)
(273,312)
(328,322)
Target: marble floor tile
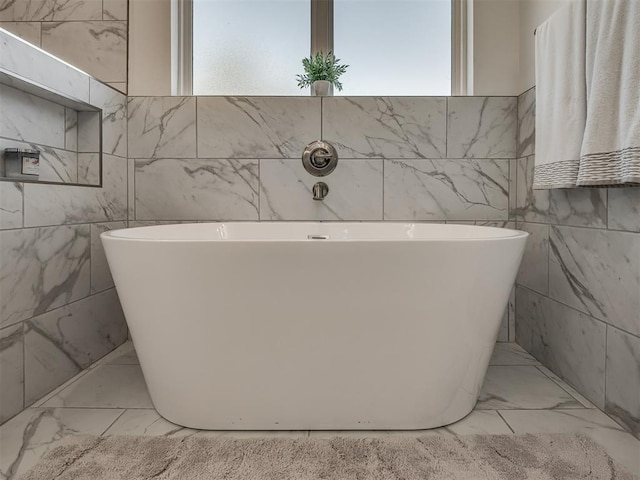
(28,436)
(620,445)
(106,386)
(522,387)
(511,354)
(124,355)
(146,422)
(566,387)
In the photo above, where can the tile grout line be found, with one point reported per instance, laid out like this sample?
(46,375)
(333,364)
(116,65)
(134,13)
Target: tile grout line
(603,322)
(562,387)
(505,421)
(113,423)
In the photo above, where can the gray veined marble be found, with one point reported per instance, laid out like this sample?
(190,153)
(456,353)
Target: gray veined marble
(482,127)
(623,379)
(624,209)
(256,127)
(597,272)
(446,190)
(28,31)
(355,191)
(31,119)
(97,47)
(584,207)
(41,269)
(386,127)
(534,269)
(11,371)
(57,205)
(527,123)
(11,195)
(568,342)
(56,165)
(100,273)
(114,118)
(62,342)
(89,132)
(89,169)
(28,436)
(28,62)
(526,387)
(196,189)
(162,127)
(115,9)
(50,10)
(70,129)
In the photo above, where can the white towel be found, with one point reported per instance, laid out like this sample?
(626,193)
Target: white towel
(560,97)
(611,146)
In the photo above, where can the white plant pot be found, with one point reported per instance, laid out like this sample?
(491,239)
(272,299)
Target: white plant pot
(321,88)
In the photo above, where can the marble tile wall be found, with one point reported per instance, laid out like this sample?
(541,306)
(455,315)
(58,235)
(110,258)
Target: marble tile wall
(59,133)
(578,291)
(401,159)
(89,34)
(59,311)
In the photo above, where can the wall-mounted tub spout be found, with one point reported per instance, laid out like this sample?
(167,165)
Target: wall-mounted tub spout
(320,190)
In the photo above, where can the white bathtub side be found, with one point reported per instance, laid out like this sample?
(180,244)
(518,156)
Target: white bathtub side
(314,335)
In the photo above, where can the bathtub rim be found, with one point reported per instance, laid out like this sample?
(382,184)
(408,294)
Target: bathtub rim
(499,233)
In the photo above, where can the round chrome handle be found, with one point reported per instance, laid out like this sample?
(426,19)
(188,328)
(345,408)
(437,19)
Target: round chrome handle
(320,158)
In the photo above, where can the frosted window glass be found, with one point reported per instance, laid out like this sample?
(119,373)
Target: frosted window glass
(394,47)
(249,47)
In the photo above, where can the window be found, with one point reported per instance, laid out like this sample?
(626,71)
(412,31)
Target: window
(394,47)
(255,47)
(249,47)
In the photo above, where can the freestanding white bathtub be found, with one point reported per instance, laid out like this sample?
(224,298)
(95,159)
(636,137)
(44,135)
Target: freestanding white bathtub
(257,326)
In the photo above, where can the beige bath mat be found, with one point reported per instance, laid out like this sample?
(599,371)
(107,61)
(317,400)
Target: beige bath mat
(491,457)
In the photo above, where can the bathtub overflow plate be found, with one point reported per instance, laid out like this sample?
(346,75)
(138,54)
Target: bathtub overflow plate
(320,158)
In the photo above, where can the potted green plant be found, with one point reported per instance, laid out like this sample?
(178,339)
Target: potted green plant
(321,73)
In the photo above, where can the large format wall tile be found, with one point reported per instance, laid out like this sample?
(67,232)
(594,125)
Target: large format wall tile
(189,189)
(56,165)
(256,127)
(11,205)
(30,118)
(89,169)
(482,127)
(100,273)
(64,341)
(583,207)
(57,205)
(11,371)
(115,9)
(527,123)
(162,127)
(114,118)
(568,342)
(624,209)
(386,127)
(99,48)
(446,190)
(41,269)
(623,378)
(597,272)
(534,270)
(50,10)
(21,58)
(71,129)
(355,191)
(28,31)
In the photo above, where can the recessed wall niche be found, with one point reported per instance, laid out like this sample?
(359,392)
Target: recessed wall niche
(62,131)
